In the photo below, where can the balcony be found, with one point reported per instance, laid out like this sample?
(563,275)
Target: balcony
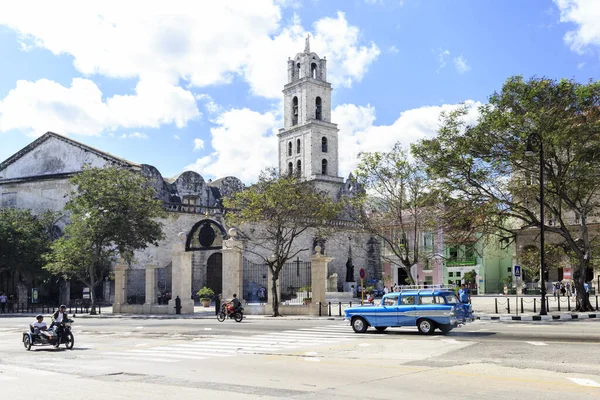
(192,209)
(458,262)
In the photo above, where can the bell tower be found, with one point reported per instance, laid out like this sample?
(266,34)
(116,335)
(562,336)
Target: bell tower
(308,142)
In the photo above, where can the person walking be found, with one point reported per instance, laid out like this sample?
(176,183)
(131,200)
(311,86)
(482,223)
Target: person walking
(3,303)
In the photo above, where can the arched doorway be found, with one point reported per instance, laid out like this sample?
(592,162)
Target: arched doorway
(214,272)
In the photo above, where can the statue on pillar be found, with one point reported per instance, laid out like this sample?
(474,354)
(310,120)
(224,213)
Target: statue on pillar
(349,265)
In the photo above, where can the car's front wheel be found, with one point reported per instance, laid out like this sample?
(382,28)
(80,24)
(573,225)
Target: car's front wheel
(359,325)
(426,326)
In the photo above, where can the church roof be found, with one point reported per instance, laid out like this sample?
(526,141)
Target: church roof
(117,160)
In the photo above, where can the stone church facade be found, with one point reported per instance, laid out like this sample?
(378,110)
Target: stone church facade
(37,178)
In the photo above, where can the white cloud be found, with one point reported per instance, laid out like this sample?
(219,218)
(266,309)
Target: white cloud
(36,107)
(198,144)
(585,14)
(460,63)
(441,55)
(393,49)
(244,143)
(204,43)
(134,135)
(176,137)
(358,131)
(580,65)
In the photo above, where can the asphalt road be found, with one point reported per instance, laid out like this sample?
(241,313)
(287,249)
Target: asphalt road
(122,358)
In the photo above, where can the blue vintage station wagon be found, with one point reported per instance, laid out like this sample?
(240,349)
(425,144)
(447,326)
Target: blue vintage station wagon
(427,309)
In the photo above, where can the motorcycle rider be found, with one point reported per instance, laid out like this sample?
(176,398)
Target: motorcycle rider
(59,316)
(236,303)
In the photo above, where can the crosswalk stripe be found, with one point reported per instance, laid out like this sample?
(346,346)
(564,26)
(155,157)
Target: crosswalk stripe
(585,382)
(537,343)
(167,354)
(124,357)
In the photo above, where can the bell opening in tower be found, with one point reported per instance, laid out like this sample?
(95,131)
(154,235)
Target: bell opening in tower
(295,111)
(318,108)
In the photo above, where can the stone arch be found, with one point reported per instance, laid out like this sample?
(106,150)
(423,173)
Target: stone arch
(206,234)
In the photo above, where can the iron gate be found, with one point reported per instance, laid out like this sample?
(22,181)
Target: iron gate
(295,282)
(136,286)
(256,285)
(164,284)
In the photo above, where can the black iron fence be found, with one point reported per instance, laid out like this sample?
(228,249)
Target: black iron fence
(255,282)
(295,280)
(73,307)
(164,281)
(136,286)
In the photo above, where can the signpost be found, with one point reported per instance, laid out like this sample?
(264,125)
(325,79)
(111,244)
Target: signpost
(363,275)
(517,272)
(34,295)
(86,293)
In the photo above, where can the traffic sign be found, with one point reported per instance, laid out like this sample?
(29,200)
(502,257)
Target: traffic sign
(362,273)
(517,270)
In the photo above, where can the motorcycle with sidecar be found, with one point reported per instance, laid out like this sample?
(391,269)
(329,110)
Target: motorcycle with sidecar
(57,334)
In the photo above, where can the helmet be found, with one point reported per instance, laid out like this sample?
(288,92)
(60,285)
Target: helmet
(39,316)
(63,306)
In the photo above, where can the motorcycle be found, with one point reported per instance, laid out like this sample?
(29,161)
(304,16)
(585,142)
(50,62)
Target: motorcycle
(227,311)
(56,335)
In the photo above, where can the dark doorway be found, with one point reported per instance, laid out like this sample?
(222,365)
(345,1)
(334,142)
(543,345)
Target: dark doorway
(402,277)
(214,272)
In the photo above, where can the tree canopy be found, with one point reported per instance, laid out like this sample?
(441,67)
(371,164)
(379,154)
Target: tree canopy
(397,206)
(486,165)
(274,213)
(24,239)
(112,212)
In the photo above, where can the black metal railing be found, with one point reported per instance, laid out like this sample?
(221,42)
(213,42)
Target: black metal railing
(255,282)
(295,282)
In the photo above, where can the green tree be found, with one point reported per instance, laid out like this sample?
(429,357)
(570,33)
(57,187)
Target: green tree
(112,212)
(470,277)
(486,163)
(396,206)
(24,239)
(279,209)
(529,258)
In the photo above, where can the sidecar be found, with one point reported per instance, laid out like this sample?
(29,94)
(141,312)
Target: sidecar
(49,337)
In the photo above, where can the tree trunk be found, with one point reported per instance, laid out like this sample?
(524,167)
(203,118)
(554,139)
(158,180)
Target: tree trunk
(274,297)
(583,300)
(92,293)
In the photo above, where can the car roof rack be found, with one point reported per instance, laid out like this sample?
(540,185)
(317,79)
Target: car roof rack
(426,288)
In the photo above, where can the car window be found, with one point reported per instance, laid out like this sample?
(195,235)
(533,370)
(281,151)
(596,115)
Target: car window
(390,301)
(451,299)
(430,300)
(407,300)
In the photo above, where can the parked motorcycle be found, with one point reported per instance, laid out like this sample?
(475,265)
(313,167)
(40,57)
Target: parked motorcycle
(55,336)
(227,311)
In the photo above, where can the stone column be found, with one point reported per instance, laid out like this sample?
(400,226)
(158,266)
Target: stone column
(120,286)
(233,267)
(151,283)
(318,268)
(181,277)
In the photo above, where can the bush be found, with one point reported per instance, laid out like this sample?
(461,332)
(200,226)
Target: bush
(206,293)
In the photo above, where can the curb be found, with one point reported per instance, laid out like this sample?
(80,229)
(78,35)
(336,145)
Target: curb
(562,317)
(180,316)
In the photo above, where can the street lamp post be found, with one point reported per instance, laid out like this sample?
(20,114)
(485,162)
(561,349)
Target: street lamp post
(529,151)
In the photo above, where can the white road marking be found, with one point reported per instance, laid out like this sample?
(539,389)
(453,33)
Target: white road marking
(585,382)
(450,341)
(537,343)
(364,344)
(313,359)
(141,344)
(139,327)
(311,353)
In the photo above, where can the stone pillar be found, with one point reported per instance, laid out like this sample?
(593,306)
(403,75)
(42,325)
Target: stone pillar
(318,266)
(120,286)
(233,267)
(181,277)
(151,284)
(64,291)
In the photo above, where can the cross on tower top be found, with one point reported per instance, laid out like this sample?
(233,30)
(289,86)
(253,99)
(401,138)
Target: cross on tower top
(307,44)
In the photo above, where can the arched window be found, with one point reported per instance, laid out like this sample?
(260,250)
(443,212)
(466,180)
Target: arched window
(297,146)
(324,144)
(298,70)
(318,114)
(324,167)
(313,70)
(295,111)
(289,148)
(290,168)
(298,168)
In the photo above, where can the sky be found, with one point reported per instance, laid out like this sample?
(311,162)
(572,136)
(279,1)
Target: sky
(196,85)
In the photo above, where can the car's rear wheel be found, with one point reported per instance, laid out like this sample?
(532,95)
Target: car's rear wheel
(359,325)
(381,328)
(446,328)
(426,326)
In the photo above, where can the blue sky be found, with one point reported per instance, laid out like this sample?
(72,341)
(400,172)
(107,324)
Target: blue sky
(197,84)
